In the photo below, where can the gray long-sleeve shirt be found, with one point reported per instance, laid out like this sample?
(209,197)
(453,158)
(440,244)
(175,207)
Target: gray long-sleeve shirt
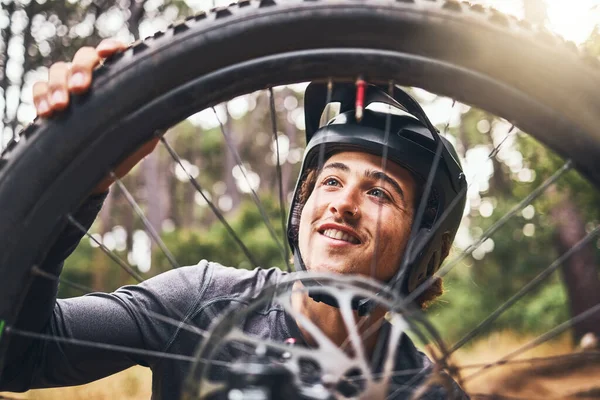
(194,295)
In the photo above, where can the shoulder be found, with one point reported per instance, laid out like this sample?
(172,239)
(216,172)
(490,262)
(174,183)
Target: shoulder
(179,281)
(228,281)
(178,288)
(208,280)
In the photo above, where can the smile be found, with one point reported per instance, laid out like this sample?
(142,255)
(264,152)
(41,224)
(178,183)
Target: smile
(340,235)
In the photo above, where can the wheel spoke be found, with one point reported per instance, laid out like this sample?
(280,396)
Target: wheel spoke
(254,196)
(321,158)
(110,347)
(384,157)
(151,230)
(39,272)
(408,255)
(447,126)
(279,178)
(214,209)
(554,360)
(106,251)
(391,374)
(496,149)
(437,224)
(410,385)
(367,333)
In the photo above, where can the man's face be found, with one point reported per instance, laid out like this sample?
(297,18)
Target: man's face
(355,211)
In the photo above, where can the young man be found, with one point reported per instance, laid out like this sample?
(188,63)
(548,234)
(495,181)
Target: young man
(346,213)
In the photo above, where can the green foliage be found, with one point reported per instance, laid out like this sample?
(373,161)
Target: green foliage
(547,310)
(90,267)
(467,302)
(216,244)
(77,269)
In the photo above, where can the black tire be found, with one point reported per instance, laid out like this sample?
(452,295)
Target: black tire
(479,57)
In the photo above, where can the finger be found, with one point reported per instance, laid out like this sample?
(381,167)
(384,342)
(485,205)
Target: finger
(108,47)
(80,77)
(58,96)
(40,99)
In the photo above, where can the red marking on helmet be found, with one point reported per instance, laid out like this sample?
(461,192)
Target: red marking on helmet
(360,98)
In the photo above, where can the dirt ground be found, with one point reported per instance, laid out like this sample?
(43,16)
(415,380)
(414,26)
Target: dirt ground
(576,376)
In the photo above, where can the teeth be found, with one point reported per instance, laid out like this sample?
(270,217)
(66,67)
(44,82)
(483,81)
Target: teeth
(339,235)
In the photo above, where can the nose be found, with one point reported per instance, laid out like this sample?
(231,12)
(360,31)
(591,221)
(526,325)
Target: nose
(345,204)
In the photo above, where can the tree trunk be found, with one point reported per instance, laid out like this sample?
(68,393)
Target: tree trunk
(136,13)
(30,11)
(164,188)
(4,82)
(230,162)
(579,272)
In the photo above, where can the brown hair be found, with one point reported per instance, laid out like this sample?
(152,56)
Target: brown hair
(309,180)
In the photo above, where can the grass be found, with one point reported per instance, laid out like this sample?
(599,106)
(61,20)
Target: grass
(132,384)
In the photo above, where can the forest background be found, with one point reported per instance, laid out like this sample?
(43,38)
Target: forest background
(36,33)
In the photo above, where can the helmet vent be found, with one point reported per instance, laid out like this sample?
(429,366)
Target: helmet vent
(387,108)
(330,111)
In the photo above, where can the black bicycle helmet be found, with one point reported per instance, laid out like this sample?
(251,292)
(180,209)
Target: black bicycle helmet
(412,143)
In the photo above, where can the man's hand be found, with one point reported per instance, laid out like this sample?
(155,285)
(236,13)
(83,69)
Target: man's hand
(75,78)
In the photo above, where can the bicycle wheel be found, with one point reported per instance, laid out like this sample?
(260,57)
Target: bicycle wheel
(249,45)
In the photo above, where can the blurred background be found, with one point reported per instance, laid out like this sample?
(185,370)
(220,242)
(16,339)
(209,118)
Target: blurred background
(36,33)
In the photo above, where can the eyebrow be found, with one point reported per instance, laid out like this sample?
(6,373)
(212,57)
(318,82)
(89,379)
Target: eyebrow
(371,174)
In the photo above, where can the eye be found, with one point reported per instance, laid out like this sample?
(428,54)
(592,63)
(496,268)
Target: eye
(331,182)
(379,193)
